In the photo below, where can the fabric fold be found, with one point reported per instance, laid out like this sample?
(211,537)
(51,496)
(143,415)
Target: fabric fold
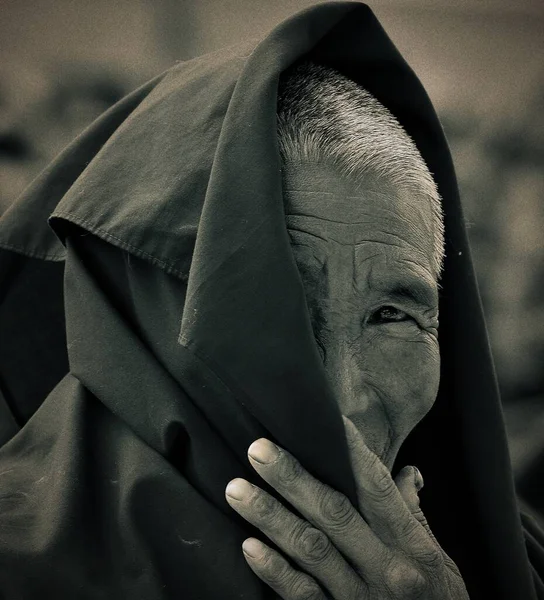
(169,270)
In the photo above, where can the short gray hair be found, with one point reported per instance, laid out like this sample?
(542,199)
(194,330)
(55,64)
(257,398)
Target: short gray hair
(325,117)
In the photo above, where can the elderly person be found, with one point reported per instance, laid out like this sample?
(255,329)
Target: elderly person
(255,248)
(365,221)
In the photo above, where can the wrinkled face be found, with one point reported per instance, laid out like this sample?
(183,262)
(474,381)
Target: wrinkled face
(364,254)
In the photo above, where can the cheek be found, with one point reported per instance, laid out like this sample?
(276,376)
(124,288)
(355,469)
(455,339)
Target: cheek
(404,373)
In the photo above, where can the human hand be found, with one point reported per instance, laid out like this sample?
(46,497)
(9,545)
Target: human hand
(382,549)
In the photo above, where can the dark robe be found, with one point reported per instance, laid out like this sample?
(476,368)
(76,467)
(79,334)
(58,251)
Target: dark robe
(160,326)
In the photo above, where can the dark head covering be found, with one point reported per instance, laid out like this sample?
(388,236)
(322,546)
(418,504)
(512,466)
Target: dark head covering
(115,487)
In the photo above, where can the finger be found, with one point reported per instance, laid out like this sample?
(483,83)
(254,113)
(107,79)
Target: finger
(276,572)
(327,509)
(381,503)
(409,482)
(309,547)
(378,497)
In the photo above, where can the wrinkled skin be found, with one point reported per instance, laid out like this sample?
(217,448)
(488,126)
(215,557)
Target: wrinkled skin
(365,260)
(364,254)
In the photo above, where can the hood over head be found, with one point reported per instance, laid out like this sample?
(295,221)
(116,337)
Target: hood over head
(185,174)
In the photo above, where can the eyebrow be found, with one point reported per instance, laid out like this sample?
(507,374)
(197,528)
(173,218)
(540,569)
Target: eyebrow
(416,292)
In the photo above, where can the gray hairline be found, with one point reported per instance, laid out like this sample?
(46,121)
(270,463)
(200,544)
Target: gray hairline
(325,117)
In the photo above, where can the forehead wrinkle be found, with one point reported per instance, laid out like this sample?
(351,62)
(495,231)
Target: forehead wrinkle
(390,242)
(312,268)
(290,192)
(372,216)
(399,253)
(326,219)
(313,258)
(420,288)
(406,217)
(303,224)
(296,230)
(421,271)
(395,228)
(307,204)
(296,197)
(326,280)
(400,209)
(396,273)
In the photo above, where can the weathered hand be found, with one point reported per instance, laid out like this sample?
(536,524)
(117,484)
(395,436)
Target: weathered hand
(384,549)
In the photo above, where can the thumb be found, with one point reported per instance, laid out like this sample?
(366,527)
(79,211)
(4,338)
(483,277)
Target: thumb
(409,482)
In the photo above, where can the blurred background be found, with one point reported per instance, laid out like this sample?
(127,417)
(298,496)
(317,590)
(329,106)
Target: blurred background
(481,61)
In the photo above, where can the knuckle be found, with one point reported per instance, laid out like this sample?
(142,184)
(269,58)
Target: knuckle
(383,485)
(290,471)
(365,459)
(268,565)
(430,556)
(336,509)
(274,570)
(312,545)
(305,588)
(418,514)
(408,529)
(404,581)
(263,506)
(428,552)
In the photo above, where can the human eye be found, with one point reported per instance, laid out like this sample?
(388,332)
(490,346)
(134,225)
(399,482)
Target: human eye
(388,314)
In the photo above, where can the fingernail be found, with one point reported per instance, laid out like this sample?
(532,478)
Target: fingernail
(418,479)
(252,547)
(263,451)
(238,489)
(348,426)
(346,421)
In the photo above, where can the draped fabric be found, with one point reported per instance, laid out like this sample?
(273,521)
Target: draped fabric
(158,325)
